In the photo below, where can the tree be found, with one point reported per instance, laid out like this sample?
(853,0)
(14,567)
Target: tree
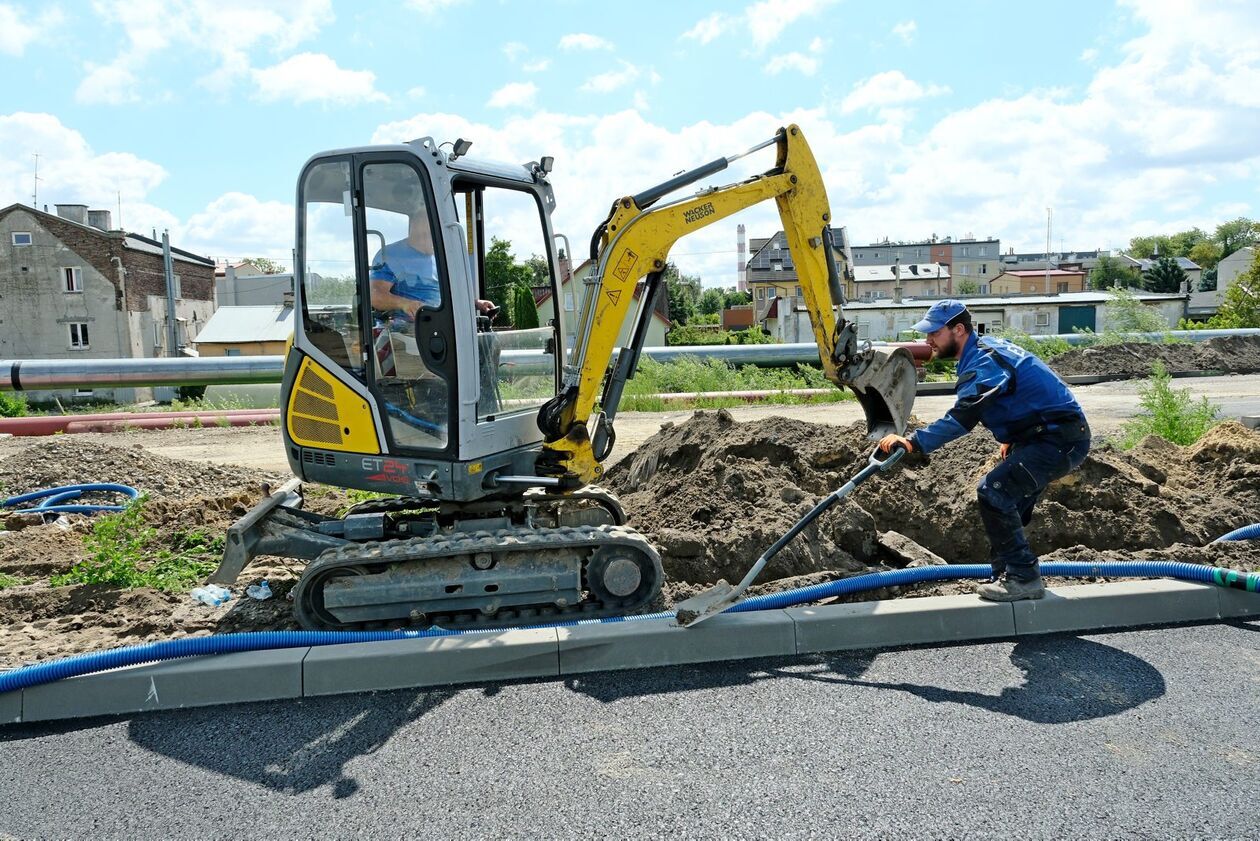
(521,307)
(1239,233)
(267,266)
(968,287)
(1182,243)
(539,269)
(1207,283)
(503,272)
(1164,275)
(1127,314)
(735,299)
(1143,247)
(1109,272)
(1241,307)
(684,294)
(711,301)
(1206,254)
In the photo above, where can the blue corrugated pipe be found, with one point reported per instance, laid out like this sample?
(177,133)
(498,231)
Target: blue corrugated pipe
(51,499)
(1251,532)
(264,640)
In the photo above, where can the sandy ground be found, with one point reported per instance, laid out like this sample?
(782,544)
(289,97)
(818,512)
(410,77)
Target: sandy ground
(1107,405)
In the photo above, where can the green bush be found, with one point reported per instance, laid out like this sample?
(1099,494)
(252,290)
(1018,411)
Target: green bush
(692,375)
(1170,413)
(1044,348)
(7,580)
(12,405)
(125,552)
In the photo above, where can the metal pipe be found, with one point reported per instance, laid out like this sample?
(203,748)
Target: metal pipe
(33,374)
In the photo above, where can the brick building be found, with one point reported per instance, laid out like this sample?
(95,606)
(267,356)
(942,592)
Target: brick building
(71,288)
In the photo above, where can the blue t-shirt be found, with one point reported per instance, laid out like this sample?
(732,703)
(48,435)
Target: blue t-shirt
(412,273)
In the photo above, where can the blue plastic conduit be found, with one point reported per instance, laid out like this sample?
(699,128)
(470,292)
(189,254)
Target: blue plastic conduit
(1251,532)
(51,498)
(83,664)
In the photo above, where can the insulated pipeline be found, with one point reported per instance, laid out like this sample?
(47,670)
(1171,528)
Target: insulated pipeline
(83,664)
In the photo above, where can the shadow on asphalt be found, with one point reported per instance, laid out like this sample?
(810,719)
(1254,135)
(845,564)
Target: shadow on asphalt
(1066,679)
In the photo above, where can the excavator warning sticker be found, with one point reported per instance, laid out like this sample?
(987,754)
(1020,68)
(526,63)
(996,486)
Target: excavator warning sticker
(625,265)
(614,295)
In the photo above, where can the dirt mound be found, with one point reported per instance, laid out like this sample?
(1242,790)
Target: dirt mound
(713,494)
(1231,354)
(74,459)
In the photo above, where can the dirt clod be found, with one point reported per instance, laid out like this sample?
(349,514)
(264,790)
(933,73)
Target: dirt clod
(1228,354)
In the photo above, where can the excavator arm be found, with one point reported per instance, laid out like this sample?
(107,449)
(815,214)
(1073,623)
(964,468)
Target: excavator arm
(634,242)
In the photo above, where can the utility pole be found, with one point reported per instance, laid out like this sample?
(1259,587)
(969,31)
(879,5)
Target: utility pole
(1049,217)
(35,191)
(172,328)
(118,193)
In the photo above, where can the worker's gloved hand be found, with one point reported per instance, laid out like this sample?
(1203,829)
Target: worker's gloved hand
(888,442)
(1005,450)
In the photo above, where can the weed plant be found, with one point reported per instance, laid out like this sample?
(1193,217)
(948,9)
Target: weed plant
(1171,413)
(7,580)
(696,375)
(126,552)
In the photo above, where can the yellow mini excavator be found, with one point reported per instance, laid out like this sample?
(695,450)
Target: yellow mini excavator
(484,443)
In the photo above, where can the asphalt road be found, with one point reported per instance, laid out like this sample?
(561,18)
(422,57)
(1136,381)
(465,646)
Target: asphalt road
(1126,735)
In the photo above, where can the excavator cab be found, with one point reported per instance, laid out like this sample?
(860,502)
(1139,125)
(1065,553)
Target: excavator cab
(402,377)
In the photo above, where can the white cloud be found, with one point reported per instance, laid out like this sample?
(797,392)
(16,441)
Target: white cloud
(792,61)
(709,28)
(1089,55)
(514,50)
(432,7)
(513,95)
(613,79)
(239,225)
(536,66)
(888,88)
(71,172)
(906,30)
(584,41)
(17,31)
(641,102)
(418,92)
(315,77)
(819,45)
(220,33)
(763,21)
(108,85)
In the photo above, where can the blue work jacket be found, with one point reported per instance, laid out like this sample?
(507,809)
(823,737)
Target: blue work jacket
(1006,388)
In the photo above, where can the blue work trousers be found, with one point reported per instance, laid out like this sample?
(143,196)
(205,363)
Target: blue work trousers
(1011,490)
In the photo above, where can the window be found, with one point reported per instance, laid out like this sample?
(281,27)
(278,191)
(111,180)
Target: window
(776,265)
(984,289)
(984,251)
(176,287)
(984,268)
(22,238)
(568,301)
(1043,319)
(798,291)
(73,277)
(231,351)
(964,250)
(1062,287)
(966,270)
(78,335)
(761,294)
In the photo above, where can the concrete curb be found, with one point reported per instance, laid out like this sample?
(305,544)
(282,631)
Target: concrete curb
(555,652)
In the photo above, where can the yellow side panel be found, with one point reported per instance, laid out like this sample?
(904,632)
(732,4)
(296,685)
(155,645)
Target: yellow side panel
(324,414)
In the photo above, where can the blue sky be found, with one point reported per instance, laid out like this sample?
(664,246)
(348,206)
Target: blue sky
(970,117)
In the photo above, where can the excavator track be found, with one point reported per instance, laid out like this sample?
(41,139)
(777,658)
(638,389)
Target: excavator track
(601,497)
(485,579)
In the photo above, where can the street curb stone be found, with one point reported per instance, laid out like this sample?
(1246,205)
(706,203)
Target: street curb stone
(899,622)
(430,661)
(1118,604)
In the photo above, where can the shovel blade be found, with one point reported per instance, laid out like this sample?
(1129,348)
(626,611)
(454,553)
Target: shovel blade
(711,602)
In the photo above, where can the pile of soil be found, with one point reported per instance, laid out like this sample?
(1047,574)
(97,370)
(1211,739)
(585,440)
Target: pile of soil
(1229,354)
(713,494)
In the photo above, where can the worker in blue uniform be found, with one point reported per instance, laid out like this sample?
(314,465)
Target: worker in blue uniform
(1030,411)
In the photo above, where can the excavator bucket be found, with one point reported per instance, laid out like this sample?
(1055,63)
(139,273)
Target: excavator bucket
(884,382)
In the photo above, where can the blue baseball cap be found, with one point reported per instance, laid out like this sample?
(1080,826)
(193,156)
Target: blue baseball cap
(940,314)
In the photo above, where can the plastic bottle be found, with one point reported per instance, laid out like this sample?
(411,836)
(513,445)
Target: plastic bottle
(261,592)
(211,594)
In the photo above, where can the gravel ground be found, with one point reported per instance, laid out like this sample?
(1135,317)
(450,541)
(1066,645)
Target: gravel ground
(1143,734)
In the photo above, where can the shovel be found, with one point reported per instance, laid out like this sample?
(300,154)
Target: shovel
(722,595)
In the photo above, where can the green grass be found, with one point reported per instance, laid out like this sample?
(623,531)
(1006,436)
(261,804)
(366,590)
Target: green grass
(1168,412)
(125,552)
(692,375)
(7,580)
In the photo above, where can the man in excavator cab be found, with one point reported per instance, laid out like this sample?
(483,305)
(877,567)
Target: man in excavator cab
(403,282)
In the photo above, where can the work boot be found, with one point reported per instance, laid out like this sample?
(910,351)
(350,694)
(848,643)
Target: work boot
(1007,589)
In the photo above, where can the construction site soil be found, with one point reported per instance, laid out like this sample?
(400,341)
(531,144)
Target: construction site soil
(1228,354)
(711,493)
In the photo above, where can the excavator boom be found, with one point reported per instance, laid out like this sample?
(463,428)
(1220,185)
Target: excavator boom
(634,243)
